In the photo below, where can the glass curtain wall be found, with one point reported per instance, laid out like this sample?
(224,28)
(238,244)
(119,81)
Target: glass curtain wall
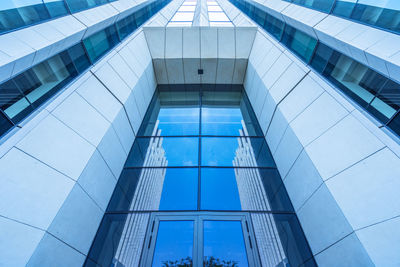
(200,152)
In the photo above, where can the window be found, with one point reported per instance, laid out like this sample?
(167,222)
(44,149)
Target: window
(216,15)
(99,43)
(201,170)
(185,14)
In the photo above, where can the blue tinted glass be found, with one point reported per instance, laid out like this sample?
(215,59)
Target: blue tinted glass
(224,242)
(141,16)
(300,43)
(78,57)
(321,5)
(174,243)
(221,121)
(173,113)
(99,43)
(394,125)
(5,124)
(387,101)
(78,5)
(13,102)
(179,121)
(235,151)
(43,80)
(164,151)
(321,57)
(126,26)
(16,14)
(344,8)
(56,8)
(180,189)
(274,26)
(219,190)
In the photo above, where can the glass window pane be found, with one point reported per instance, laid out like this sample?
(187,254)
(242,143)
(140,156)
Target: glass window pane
(79,5)
(179,24)
(173,113)
(43,80)
(5,124)
(174,243)
(13,102)
(16,14)
(224,242)
(101,42)
(219,190)
(56,8)
(300,43)
(163,152)
(187,8)
(387,101)
(214,8)
(126,26)
(235,151)
(221,121)
(179,190)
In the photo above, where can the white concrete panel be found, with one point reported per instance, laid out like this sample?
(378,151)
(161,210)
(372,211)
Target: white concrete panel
(124,130)
(52,252)
(98,181)
(299,98)
(249,77)
(257,82)
(190,68)
(161,71)
(123,70)
(266,112)
(17,243)
(77,221)
(18,51)
(270,59)
(30,191)
(287,151)
(226,42)
(225,68)
(131,60)
(393,67)
(381,240)
(191,42)
(100,98)
(261,47)
(276,130)
(239,71)
(80,116)
(322,220)
(6,66)
(132,112)
(348,251)
(140,50)
(173,42)
(151,78)
(69,157)
(112,151)
(318,117)
(302,180)
(276,70)
(260,99)
(113,82)
(341,146)
(208,43)
(209,65)
(369,187)
(175,70)
(244,41)
(286,82)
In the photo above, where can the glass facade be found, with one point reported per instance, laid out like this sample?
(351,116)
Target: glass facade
(378,13)
(374,92)
(185,14)
(15,14)
(24,93)
(199,152)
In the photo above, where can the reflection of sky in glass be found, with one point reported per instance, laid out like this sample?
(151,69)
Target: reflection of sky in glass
(180,190)
(181,151)
(179,121)
(224,240)
(218,151)
(174,242)
(221,121)
(219,190)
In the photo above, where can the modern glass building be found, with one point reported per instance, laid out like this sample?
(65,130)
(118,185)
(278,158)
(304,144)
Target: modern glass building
(214,133)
